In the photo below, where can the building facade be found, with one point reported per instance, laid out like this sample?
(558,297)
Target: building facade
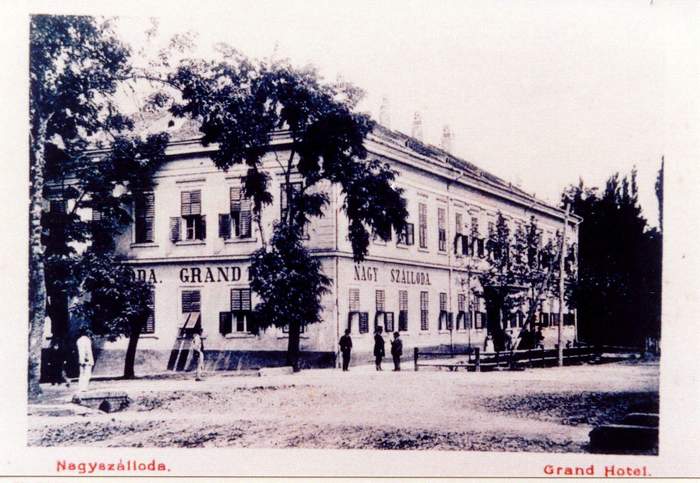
(192,237)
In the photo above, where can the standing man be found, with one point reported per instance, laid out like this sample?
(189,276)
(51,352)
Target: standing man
(378,348)
(198,352)
(396,351)
(345,344)
(85,359)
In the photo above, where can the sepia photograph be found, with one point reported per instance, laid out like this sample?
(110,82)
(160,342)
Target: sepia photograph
(393,227)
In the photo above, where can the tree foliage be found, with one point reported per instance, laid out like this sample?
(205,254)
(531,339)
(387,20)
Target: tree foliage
(618,293)
(520,271)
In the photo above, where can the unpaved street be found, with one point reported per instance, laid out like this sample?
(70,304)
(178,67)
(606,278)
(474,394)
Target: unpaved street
(535,410)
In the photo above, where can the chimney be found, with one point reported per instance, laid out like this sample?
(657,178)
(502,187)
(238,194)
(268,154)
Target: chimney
(446,142)
(417,129)
(384,116)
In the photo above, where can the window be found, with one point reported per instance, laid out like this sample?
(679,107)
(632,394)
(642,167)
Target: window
(191,215)
(240,214)
(478,320)
(569,319)
(422,225)
(355,317)
(241,308)
(444,317)
(406,237)
(191,301)
(460,239)
(544,319)
(191,308)
(424,324)
(458,223)
(442,232)
(554,318)
(379,318)
(403,310)
(150,325)
(462,314)
(144,217)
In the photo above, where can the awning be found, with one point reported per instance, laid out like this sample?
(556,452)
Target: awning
(190,320)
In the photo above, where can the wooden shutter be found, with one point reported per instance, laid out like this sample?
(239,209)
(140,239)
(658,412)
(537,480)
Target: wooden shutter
(235,300)
(225,226)
(201,230)
(246,218)
(175,229)
(225,323)
(235,198)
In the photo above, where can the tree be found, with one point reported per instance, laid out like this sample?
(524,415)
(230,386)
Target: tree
(240,105)
(519,272)
(76,64)
(618,292)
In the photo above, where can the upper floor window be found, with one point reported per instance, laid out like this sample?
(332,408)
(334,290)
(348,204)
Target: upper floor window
(442,231)
(191,225)
(422,225)
(237,222)
(144,217)
(406,237)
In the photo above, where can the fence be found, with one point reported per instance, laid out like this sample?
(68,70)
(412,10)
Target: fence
(476,360)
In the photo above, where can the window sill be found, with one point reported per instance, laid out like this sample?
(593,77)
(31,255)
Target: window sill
(234,241)
(442,252)
(402,246)
(183,243)
(424,250)
(239,336)
(424,332)
(144,245)
(301,337)
(149,336)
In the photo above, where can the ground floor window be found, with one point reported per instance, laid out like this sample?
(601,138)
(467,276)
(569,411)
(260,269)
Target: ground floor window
(569,319)
(479,318)
(403,310)
(424,324)
(150,325)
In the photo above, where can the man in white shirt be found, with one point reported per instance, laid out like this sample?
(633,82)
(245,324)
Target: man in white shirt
(198,350)
(85,359)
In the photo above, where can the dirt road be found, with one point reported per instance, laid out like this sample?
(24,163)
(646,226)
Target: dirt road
(536,410)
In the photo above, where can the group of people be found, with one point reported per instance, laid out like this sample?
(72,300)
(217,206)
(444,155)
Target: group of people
(345,344)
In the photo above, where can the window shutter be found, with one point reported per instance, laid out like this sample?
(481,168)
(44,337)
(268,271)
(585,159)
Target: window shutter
(235,300)
(465,245)
(196,202)
(246,217)
(174,229)
(202,220)
(409,234)
(245,299)
(225,226)
(225,323)
(185,205)
(235,198)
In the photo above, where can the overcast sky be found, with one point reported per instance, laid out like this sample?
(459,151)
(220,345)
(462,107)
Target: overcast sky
(539,93)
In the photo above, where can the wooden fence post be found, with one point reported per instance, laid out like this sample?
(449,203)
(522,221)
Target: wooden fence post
(415,358)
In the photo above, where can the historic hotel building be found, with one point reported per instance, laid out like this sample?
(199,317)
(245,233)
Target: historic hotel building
(193,235)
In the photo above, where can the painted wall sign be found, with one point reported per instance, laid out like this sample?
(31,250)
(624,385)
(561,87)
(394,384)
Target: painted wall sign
(146,275)
(210,274)
(397,275)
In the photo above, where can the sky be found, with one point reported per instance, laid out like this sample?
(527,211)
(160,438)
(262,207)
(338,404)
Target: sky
(538,93)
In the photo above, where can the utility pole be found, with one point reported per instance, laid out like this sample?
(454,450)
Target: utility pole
(562,248)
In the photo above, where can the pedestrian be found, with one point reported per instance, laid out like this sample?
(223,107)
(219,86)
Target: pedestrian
(56,364)
(396,351)
(85,360)
(378,348)
(539,338)
(345,344)
(198,353)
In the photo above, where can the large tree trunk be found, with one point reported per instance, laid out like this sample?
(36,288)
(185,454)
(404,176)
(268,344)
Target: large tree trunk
(293,346)
(37,281)
(131,354)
